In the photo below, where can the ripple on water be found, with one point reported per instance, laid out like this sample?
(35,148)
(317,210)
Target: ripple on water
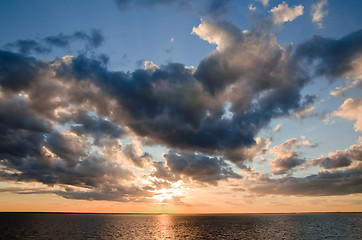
(113,226)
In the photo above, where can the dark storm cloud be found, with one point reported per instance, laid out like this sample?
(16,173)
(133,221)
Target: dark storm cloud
(18,72)
(199,167)
(331,57)
(45,45)
(153,102)
(325,183)
(169,97)
(21,132)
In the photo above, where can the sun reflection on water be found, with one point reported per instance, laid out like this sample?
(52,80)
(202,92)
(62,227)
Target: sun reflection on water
(165,227)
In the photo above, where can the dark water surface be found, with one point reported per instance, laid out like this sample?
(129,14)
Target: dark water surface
(114,226)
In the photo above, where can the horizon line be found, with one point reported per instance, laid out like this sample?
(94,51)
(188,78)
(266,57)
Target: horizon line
(162,213)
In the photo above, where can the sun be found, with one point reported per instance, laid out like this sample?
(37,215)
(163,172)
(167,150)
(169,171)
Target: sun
(165,194)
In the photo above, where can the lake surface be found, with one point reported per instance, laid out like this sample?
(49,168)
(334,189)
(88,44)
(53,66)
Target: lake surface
(118,226)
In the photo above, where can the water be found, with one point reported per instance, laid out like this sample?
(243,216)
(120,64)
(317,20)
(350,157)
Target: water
(114,226)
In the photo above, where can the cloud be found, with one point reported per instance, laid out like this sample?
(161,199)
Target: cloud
(28,46)
(287,159)
(264,2)
(19,72)
(45,45)
(340,158)
(135,155)
(169,104)
(277,128)
(61,120)
(251,7)
(332,58)
(325,183)
(351,109)
(85,123)
(199,167)
(94,39)
(248,153)
(342,175)
(19,138)
(318,13)
(351,83)
(283,13)
(162,171)
(119,194)
(33,149)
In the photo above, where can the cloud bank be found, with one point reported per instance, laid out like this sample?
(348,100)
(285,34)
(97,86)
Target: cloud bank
(62,120)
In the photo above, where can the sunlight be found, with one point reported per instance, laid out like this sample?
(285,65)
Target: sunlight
(165,194)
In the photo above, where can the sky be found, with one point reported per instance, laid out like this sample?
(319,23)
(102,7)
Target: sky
(181,106)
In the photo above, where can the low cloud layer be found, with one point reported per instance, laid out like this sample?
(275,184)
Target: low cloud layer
(325,183)
(340,158)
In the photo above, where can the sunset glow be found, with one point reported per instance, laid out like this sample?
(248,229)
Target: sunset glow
(189,106)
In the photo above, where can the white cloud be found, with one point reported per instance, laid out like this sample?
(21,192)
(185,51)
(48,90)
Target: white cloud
(264,2)
(287,159)
(277,128)
(251,7)
(149,65)
(352,109)
(218,34)
(283,13)
(318,13)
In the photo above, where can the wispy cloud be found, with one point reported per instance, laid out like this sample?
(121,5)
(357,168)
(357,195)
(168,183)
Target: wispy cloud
(318,13)
(45,45)
(264,2)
